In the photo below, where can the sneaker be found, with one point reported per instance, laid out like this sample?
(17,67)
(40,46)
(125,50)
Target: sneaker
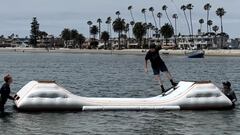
(163,89)
(174,84)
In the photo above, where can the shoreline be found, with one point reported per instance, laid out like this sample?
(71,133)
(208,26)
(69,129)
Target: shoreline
(219,52)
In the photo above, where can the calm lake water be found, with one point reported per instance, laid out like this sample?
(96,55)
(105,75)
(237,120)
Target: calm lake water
(116,76)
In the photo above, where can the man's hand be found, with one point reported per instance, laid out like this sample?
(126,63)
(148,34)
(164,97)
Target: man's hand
(234,100)
(145,70)
(11,97)
(145,67)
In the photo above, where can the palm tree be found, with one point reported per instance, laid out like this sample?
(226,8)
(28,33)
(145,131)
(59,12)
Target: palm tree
(118,27)
(175,17)
(132,23)
(151,9)
(167,31)
(221,12)
(105,37)
(149,28)
(89,24)
(183,8)
(145,19)
(201,21)
(153,29)
(215,28)
(126,29)
(139,31)
(94,31)
(109,22)
(130,10)
(190,7)
(164,8)
(127,34)
(99,21)
(210,23)
(207,7)
(159,15)
(144,14)
(118,13)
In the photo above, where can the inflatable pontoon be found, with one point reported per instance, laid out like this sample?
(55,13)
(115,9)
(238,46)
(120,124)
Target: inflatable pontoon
(47,95)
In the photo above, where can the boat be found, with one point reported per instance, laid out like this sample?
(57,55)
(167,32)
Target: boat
(187,95)
(196,54)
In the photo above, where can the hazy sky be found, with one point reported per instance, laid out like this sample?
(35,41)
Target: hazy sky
(54,15)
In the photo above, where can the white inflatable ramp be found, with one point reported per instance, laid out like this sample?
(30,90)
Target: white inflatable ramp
(129,108)
(47,95)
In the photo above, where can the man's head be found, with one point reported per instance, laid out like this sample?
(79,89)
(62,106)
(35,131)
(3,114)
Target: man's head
(226,85)
(8,79)
(152,47)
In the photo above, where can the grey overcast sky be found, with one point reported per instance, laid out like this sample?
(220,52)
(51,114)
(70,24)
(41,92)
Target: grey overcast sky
(54,15)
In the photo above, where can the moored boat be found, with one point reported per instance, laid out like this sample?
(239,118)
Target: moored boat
(196,54)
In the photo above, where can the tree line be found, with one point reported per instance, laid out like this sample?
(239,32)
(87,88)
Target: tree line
(141,30)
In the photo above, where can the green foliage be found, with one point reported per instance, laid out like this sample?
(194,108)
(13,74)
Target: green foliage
(42,34)
(118,13)
(167,31)
(139,30)
(209,22)
(99,21)
(105,37)
(66,34)
(94,31)
(74,35)
(215,28)
(118,27)
(201,21)
(207,6)
(89,22)
(220,12)
(80,39)
(93,44)
(34,32)
(126,29)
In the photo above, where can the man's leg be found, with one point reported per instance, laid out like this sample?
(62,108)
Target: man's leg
(158,78)
(2,108)
(169,76)
(164,69)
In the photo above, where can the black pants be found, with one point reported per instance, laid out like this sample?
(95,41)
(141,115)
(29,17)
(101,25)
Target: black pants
(2,103)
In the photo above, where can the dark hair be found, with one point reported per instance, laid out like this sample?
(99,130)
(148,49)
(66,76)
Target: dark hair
(227,83)
(152,46)
(7,78)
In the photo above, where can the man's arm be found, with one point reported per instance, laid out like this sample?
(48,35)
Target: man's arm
(10,97)
(9,91)
(145,66)
(234,97)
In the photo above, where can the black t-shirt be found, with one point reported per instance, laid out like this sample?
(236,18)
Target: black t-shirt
(231,95)
(5,91)
(155,58)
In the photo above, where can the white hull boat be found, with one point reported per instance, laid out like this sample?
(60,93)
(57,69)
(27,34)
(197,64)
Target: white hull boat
(47,95)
